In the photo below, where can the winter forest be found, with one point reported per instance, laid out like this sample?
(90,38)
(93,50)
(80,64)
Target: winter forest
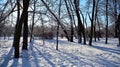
(59,33)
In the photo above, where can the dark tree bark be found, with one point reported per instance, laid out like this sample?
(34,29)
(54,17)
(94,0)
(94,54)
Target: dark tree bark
(83,28)
(19,28)
(95,31)
(118,28)
(71,21)
(119,35)
(58,25)
(57,36)
(18,17)
(76,3)
(73,17)
(25,33)
(96,12)
(106,41)
(115,15)
(99,33)
(92,22)
(31,34)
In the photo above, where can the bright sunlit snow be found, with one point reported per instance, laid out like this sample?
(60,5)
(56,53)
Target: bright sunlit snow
(69,54)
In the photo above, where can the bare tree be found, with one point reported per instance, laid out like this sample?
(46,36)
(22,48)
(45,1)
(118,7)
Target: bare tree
(18,17)
(33,23)
(71,20)
(106,41)
(92,22)
(119,27)
(19,28)
(57,19)
(115,15)
(25,33)
(58,25)
(80,25)
(95,21)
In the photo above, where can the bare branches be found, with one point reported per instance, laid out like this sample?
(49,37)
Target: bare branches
(57,19)
(3,16)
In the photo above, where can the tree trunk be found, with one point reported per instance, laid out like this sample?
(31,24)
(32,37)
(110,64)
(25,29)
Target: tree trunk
(118,28)
(95,31)
(25,33)
(18,17)
(119,35)
(57,36)
(115,16)
(19,28)
(99,33)
(31,34)
(106,41)
(96,11)
(83,28)
(92,22)
(71,21)
(58,25)
(76,3)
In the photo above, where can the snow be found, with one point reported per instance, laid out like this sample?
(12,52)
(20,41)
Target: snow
(70,54)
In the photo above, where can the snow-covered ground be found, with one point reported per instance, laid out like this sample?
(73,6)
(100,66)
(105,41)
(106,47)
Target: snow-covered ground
(69,54)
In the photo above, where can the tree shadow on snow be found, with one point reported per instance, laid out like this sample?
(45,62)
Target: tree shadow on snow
(83,61)
(47,59)
(7,58)
(28,57)
(35,58)
(64,56)
(15,62)
(73,59)
(107,49)
(25,58)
